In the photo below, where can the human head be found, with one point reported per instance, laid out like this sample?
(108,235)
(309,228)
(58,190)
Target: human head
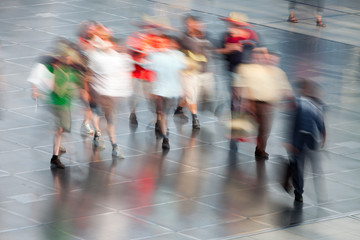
(265,57)
(309,88)
(193,25)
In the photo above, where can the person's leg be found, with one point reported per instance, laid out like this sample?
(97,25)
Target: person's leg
(62,123)
(195,119)
(109,106)
(57,141)
(191,95)
(292,4)
(55,161)
(319,11)
(315,160)
(85,127)
(264,114)
(158,106)
(297,165)
(133,101)
(167,104)
(96,114)
(179,109)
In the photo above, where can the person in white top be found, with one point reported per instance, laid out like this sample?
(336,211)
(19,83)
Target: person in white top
(260,85)
(110,80)
(167,64)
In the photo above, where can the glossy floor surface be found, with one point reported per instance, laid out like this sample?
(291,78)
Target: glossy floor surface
(199,189)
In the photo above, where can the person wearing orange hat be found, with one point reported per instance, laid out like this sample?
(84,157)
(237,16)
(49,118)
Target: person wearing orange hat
(139,45)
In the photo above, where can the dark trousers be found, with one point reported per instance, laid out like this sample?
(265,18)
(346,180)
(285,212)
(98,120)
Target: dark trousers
(264,115)
(303,143)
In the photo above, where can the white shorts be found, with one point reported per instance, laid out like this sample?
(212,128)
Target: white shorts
(199,84)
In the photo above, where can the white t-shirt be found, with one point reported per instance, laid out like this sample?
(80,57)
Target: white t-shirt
(167,66)
(112,72)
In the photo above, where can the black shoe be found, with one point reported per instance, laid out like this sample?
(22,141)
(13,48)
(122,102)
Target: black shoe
(165,144)
(179,114)
(320,24)
(133,119)
(298,197)
(261,154)
(196,123)
(178,111)
(56,163)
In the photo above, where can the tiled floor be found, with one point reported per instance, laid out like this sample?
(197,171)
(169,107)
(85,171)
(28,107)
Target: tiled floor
(199,190)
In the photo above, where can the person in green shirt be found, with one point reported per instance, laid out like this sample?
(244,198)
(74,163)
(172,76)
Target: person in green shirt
(68,69)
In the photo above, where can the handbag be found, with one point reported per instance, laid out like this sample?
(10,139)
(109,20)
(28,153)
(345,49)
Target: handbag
(42,78)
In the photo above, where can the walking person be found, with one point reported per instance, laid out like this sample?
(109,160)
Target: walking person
(197,80)
(67,69)
(167,63)
(259,86)
(109,82)
(319,8)
(308,134)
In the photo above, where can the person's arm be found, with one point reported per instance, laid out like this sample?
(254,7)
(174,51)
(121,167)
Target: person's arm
(321,126)
(34,92)
(229,47)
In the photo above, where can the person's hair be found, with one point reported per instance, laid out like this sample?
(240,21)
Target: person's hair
(309,88)
(192,17)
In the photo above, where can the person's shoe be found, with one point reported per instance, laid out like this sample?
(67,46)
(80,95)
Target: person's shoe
(98,141)
(196,123)
(86,130)
(261,154)
(116,152)
(292,19)
(179,113)
(165,144)
(298,197)
(56,163)
(62,149)
(320,24)
(133,119)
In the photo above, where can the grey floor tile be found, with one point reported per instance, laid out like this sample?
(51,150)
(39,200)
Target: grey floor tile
(133,195)
(30,161)
(60,206)
(195,184)
(37,232)
(293,216)
(344,206)
(251,202)
(183,215)
(72,178)
(110,226)
(13,186)
(10,221)
(226,230)
(142,167)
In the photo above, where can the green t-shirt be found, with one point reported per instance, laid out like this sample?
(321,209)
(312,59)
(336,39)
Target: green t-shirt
(67,79)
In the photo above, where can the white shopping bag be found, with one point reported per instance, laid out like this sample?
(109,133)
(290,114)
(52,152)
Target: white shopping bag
(42,78)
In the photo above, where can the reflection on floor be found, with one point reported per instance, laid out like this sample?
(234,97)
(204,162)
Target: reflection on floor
(199,189)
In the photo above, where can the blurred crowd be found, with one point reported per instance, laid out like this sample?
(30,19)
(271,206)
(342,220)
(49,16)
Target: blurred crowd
(170,70)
